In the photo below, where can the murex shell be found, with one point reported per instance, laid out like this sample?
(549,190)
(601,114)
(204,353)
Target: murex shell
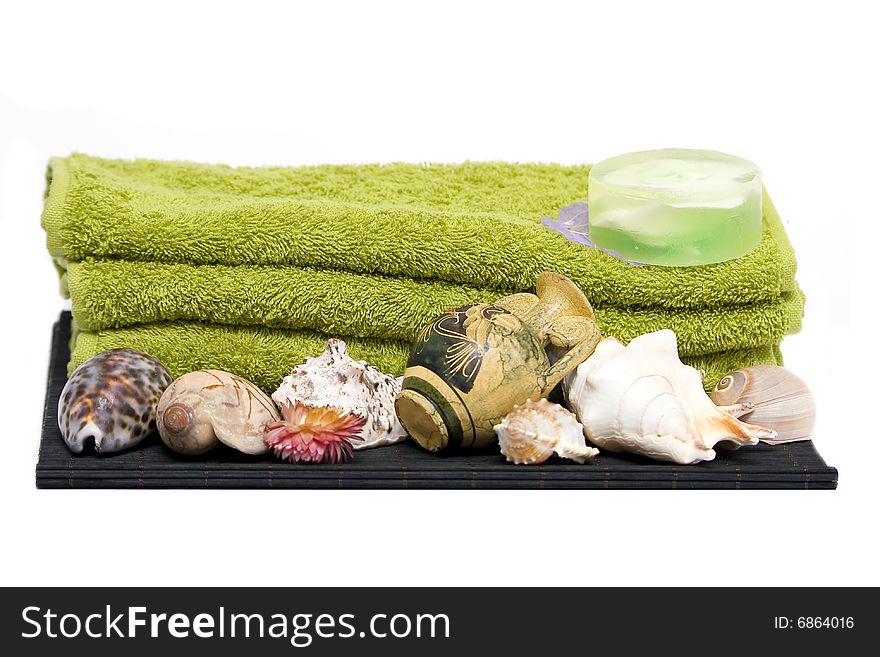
(778,400)
(207,407)
(334,379)
(642,399)
(532,432)
(111,398)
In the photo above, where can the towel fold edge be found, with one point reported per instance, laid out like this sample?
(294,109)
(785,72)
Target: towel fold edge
(54,197)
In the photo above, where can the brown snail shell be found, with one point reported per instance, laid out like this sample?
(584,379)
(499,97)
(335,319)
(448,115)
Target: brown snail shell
(207,407)
(781,401)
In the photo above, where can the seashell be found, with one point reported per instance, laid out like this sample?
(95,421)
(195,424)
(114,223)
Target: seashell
(774,398)
(642,399)
(334,379)
(111,399)
(203,408)
(314,434)
(535,430)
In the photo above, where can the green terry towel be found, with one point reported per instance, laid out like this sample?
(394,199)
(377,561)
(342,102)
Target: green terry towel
(266,355)
(475,224)
(113,294)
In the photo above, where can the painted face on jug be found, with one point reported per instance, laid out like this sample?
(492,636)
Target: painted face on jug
(455,344)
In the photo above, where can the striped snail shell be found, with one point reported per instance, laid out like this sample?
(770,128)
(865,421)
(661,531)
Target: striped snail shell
(201,409)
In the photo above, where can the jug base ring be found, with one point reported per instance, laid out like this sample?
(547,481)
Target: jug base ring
(422,420)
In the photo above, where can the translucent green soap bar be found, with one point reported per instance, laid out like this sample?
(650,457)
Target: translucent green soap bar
(676,207)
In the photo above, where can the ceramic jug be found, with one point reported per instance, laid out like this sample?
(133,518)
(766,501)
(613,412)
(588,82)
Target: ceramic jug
(471,365)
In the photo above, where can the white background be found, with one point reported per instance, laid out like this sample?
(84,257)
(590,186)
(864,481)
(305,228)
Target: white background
(791,86)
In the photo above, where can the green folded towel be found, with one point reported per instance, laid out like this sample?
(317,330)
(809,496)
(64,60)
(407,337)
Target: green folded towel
(266,355)
(369,253)
(474,224)
(113,294)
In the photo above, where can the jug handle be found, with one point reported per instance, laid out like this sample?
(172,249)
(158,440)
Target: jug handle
(583,347)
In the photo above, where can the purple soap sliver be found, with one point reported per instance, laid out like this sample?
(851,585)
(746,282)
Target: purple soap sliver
(573,223)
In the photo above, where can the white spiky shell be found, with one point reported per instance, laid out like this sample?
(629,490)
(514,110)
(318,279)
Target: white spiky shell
(641,398)
(532,432)
(335,379)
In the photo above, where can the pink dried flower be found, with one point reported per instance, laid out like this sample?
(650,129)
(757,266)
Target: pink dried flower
(313,434)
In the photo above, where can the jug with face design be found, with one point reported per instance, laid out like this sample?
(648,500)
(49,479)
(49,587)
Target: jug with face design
(471,365)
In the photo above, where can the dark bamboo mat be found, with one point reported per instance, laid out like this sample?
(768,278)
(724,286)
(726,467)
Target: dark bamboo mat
(151,465)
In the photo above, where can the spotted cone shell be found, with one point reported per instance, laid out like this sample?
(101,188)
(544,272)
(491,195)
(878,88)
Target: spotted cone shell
(111,398)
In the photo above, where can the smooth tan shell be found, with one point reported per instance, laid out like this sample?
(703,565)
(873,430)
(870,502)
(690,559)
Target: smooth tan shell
(781,400)
(206,407)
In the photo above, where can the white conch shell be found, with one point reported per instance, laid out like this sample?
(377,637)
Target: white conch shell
(642,399)
(535,430)
(335,379)
(772,397)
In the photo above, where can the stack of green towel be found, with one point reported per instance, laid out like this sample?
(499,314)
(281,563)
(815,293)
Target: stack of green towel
(250,270)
